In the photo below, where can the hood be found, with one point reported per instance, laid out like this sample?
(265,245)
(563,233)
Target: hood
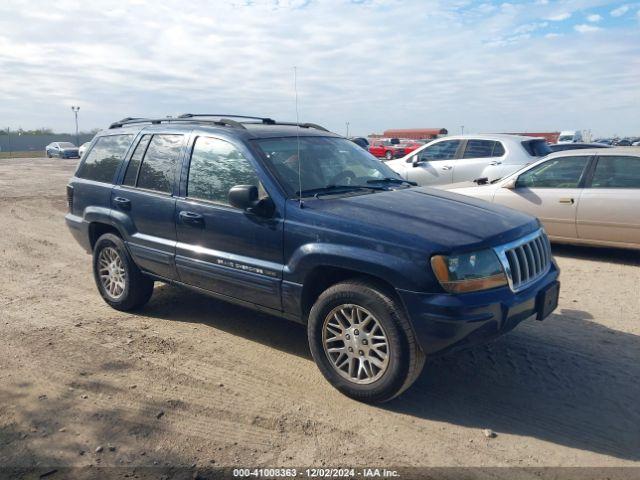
(438,219)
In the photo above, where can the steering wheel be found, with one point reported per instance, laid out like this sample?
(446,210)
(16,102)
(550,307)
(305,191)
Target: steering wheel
(343,178)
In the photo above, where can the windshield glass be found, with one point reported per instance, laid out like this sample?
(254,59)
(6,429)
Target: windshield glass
(66,145)
(323,162)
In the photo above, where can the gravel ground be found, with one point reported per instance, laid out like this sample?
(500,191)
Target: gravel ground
(191,381)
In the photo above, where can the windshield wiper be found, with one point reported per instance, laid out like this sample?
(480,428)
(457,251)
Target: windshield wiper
(391,180)
(329,189)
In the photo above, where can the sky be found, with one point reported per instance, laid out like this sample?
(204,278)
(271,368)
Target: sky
(519,66)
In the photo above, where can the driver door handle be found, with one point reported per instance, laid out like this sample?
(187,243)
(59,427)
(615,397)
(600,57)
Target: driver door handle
(567,200)
(495,162)
(447,167)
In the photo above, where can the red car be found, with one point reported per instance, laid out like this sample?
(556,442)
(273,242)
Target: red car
(385,149)
(410,145)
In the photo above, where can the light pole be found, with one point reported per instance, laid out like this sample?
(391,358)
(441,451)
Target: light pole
(461,129)
(347,124)
(75,112)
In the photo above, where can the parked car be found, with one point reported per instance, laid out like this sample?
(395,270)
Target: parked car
(589,197)
(570,136)
(62,150)
(83,148)
(636,143)
(605,141)
(387,149)
(625,142)
(469,157)
(559,147)
(410,145)
(361,142)
(304,224)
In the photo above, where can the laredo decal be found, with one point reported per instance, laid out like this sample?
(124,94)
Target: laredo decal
(245,267)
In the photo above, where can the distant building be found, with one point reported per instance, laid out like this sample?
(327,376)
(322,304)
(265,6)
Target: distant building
(415,133)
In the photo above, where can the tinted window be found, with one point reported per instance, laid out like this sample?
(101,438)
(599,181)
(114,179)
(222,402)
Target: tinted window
(67,145)
(215,167)
(498,150)
(537,148)
(480,149)
(617,172)
(563,172)
(134,163)
(101,163)
(158,168)
(440,151)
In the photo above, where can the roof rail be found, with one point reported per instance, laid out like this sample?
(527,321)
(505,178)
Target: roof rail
(157,121)
(265,120)
(213,118)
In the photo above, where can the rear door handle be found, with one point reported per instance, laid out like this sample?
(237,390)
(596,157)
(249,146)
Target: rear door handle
(447,167)
(191,218)
(495,162)
(567,200)
(122,203)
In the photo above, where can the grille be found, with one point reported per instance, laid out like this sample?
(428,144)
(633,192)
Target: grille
(526,259)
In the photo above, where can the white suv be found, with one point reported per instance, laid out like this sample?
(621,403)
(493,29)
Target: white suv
(462,158)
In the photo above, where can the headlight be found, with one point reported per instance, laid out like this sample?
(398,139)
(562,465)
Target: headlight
(469,272)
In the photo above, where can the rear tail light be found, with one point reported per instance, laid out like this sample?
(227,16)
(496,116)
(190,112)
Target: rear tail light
(70,198)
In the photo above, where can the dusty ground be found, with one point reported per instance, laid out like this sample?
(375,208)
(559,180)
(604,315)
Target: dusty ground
(193,381)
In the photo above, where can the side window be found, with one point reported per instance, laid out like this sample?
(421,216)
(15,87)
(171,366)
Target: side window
(134,163)
(479,149)
(101,163)
(498,150)
(440,151)
(617,172)
(562,172)
(158,168)
(215,167)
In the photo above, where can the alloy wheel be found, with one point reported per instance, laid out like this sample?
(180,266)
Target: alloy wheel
(111,272)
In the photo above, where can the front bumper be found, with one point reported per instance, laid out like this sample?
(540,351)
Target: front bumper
(445,322)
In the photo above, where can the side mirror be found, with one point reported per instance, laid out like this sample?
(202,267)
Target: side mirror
(415,161)
(245,197)
(510,184)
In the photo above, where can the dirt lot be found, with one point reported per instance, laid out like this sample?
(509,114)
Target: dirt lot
(195,382)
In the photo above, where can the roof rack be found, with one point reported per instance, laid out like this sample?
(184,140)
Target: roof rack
(158,121)
(265,120)
(211,118)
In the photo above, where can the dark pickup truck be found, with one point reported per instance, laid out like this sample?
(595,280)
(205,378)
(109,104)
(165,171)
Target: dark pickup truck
(296,221)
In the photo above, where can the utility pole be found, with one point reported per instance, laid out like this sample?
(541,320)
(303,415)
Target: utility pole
(75,112)
(461,129)
(9,141)
(347,124)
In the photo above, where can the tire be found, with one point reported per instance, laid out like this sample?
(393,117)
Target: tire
(388,155)
(130,288)
(383,380)
(48,155)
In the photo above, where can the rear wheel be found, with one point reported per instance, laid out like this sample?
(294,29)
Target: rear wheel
(362,342)
(119,280)
(388,155)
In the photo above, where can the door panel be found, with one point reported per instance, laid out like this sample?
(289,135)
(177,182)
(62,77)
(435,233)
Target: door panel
(149,218)
(609,214)
(435,163)
(230,252)
(553,206)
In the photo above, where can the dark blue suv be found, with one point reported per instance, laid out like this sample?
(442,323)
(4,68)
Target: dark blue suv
(296,221)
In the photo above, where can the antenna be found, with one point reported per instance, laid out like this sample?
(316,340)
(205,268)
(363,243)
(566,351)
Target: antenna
(295,88)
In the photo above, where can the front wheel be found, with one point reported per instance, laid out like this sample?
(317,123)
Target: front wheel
(362,342)
(119,280)
(388,155)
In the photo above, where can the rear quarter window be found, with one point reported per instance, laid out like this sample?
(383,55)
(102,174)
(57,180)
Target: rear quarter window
(102,161)
(537,148)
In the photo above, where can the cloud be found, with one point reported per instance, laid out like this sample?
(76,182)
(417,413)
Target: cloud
(558,17)
(376,63)
(620,11)
(594,18)
(585,28)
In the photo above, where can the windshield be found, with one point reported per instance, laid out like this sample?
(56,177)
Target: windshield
(537,148)
(565,138)
(324,162)
(66,145)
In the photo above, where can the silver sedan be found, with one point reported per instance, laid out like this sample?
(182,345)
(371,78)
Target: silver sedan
(589,197)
